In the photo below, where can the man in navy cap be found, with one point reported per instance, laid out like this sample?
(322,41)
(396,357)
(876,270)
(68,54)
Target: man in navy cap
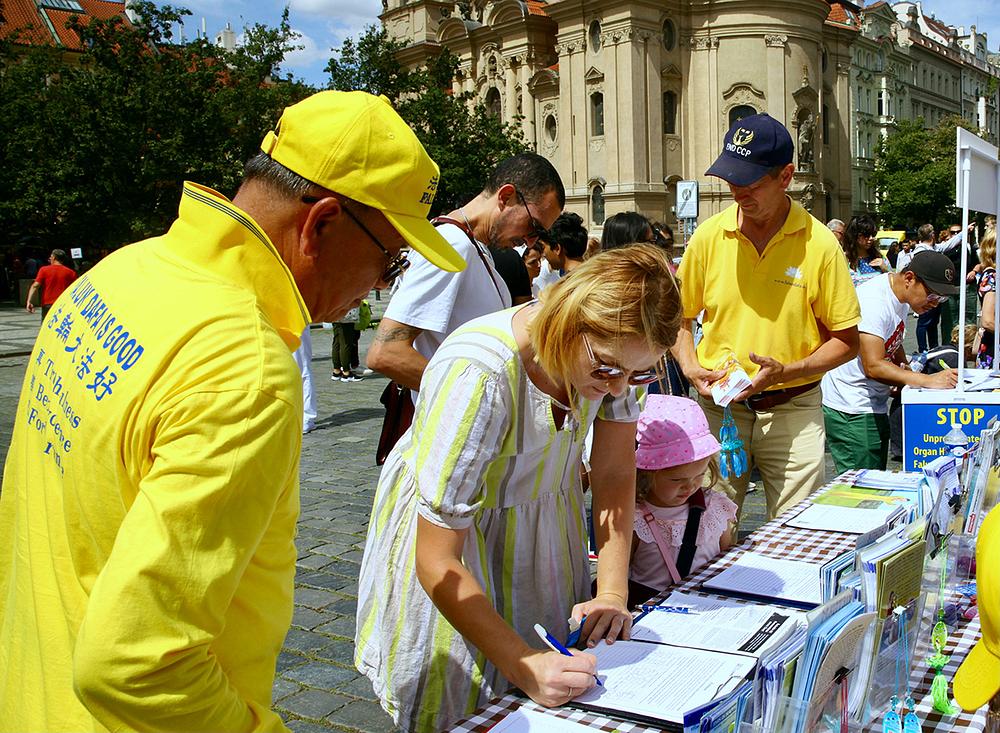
(777,297)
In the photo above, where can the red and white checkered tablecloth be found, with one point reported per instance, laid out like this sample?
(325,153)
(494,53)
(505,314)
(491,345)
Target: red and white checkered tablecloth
(791,543)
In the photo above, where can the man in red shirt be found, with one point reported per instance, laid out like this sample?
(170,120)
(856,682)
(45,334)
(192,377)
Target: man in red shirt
(53,279)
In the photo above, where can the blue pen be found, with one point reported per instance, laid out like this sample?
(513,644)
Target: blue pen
(669,609)
(553,644)
(575,627)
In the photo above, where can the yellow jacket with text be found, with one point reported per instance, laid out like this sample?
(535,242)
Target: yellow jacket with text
(150,492)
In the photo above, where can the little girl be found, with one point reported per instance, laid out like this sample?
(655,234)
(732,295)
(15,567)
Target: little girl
(680,524)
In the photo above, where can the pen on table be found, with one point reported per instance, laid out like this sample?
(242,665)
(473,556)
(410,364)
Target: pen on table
(668,609)
(943,364)
(553,644)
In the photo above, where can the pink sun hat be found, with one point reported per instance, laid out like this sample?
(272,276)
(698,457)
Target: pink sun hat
(672,431)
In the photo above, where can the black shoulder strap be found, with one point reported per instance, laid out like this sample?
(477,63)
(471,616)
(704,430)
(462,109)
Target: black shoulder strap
(696,505)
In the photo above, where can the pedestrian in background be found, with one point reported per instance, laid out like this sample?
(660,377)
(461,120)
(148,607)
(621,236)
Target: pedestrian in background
(52,279)
(344,350)
(626,227)
(861,249)
(148,521)
(856,394)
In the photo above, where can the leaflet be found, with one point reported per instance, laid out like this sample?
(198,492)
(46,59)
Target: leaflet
(771,578)
(717,624)
(660,682)
(834,518)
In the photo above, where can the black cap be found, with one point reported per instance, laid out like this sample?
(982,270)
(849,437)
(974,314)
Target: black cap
(753,146)
(936,271)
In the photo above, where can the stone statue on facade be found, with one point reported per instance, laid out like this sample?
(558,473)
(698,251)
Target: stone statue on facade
(807,130)
(808,197)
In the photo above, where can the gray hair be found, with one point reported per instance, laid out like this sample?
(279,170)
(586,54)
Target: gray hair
(283,181)
(834,223)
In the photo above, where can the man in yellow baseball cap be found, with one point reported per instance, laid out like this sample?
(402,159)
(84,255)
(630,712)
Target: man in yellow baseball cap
(978,678)
(151,489)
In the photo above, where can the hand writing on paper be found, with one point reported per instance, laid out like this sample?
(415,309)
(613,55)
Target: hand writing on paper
(551,679)
(607,618)
(771,372)
(944,379)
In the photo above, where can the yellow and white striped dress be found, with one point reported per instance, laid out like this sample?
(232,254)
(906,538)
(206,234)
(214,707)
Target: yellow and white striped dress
(483,453)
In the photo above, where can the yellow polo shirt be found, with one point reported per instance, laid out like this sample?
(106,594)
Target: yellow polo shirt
(779,304)
(151,489)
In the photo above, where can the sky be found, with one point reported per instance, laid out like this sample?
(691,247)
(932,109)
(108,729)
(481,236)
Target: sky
(324,24)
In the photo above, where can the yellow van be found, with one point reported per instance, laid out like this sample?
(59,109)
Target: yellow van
(887,237)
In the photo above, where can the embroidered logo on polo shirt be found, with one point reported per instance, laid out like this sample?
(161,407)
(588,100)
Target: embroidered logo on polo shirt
(792,277)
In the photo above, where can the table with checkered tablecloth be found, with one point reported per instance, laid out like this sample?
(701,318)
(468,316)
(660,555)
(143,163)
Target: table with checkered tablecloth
(790,543)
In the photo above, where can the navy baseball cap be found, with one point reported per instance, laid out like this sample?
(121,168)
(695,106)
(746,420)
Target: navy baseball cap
(753,146)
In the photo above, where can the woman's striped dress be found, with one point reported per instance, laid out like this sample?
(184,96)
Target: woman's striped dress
(483,454)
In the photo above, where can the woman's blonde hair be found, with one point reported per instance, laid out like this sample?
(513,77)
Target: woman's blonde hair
(988,249)
(614,295)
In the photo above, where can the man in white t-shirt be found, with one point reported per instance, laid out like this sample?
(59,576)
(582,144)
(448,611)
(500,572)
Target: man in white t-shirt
(856,394)
(521,199)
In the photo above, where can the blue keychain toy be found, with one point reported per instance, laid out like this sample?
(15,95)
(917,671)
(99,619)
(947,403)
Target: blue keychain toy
(733,458)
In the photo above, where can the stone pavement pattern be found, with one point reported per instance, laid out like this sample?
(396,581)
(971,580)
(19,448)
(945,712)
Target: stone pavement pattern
(317,687)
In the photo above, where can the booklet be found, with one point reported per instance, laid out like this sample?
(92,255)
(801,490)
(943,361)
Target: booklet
(662,684)
(754,575)
(716,624)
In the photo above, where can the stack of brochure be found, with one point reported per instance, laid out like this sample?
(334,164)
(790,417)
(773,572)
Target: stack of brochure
(892,572)
(832,642)
(863,505)
(983,482)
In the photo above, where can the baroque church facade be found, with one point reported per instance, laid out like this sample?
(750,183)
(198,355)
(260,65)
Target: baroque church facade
(629,97)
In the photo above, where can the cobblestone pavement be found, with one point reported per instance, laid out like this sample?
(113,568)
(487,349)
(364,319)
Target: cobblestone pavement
(317,687)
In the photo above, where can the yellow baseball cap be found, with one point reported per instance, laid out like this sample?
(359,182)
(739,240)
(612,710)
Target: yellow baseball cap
(978,679)
(355,144)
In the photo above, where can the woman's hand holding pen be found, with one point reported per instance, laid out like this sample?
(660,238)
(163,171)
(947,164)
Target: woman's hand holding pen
(551,679)
(607,618)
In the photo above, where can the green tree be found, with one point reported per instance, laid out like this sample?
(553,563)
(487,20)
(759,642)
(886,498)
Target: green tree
(914,173)
(94,152)
(463,138)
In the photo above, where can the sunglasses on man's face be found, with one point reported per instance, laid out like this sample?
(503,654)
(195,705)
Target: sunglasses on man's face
(537,230)
(606,372)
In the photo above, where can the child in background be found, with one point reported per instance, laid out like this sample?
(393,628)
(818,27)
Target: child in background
(680,524)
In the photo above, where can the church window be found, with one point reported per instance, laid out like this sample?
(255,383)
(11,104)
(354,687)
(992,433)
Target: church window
(597,205)
(669,113)
(596,114)
(669,35)
(595,36)
(550,128)
(739,112)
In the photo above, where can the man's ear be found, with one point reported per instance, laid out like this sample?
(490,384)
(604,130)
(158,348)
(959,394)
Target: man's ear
(786,175)
(506,196)
(323,214)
